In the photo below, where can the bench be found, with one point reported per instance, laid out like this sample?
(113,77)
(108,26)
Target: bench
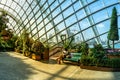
(75,57)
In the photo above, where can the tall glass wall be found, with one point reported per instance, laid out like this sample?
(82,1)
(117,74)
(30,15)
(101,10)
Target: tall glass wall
(47,20)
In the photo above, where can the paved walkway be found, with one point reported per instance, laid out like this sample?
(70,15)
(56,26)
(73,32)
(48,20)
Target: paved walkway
(14,66)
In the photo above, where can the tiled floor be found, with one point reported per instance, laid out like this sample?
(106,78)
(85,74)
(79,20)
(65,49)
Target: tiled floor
(14,66)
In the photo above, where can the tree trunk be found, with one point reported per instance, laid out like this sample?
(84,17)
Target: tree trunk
(108,44)
(113,44)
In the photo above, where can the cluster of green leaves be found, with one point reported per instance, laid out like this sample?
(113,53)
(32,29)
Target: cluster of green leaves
(98,51)
(97,57)
(67,43)
(88,61)
(3,21)
(6,35)
(105,62)
(92,56)
(38,47)
(84,48)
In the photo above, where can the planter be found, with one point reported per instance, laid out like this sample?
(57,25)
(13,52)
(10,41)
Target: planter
(5,38)
(100,68)
(36,57)
(113,56)
(27,54)
(46,54)
(4,33)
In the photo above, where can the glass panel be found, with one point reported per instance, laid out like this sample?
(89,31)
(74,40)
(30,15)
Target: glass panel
(40,25)
(84,24)
(70,20)
(51,35)
(45,6)
(61,1)
(8,2)
(21,12)
(103,27)
(61,26)
(30,16)
(49,26)
(65,4)
(80,14)
(78,38)
(99,16)
(92,42)
(75,28)
(94,7)
(118,8)
(58,19)
(56,12)
(41,32)
(104,39)
(6,8)
(21,2)
(46,20)
(3,1)
(36,9)
(90,1)
(26,5)
(28,10)
(68,12)
(17,8)
(26,21)
(33,4)
(50,1)
(88,34)
(1,6)
(13,5)
(39,19)
(119,22)
(77,6)
(33,26)
(110,2)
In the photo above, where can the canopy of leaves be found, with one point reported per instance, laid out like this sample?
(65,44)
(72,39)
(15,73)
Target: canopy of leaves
(113,32)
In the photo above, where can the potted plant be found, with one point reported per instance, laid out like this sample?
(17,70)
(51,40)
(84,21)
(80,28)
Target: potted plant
(38,49)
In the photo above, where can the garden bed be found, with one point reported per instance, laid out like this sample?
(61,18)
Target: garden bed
(100,68)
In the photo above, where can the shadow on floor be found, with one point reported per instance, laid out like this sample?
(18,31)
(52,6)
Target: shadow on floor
(13,68)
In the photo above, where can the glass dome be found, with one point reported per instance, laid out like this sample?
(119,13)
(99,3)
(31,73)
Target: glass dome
(47,20)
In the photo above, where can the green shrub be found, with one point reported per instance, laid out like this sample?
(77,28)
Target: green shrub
(88,61)
(91,52)
(98,51)
(113,63)
(104,62)
(84,48)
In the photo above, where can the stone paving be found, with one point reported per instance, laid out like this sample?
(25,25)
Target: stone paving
(15,66)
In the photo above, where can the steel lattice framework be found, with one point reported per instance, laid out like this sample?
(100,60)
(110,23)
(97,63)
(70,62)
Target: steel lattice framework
(46,20)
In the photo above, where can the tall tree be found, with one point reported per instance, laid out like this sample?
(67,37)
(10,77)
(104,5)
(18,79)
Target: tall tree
(113,32)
